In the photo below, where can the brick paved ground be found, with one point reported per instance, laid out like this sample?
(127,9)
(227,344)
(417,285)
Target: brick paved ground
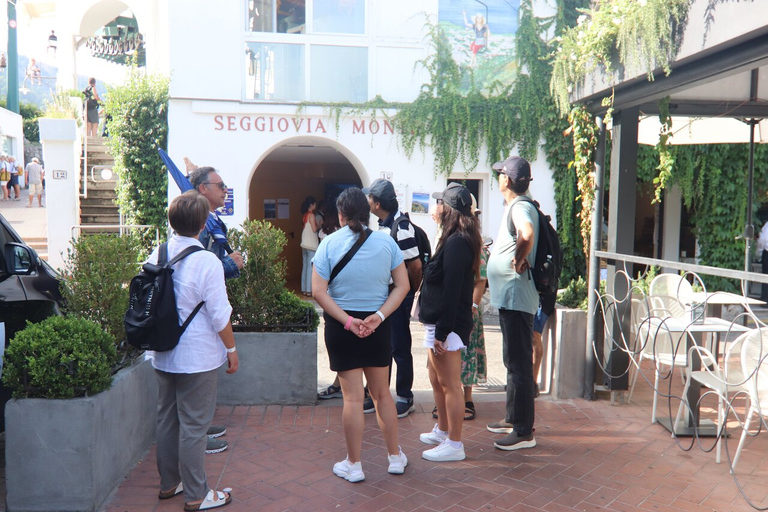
(590,456)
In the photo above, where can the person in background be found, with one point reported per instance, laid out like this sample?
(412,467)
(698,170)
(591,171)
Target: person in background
(482,35)
(187,375)
(474,365)
(5,176)
(383,202)
(762,250)
(208,183)
(445,309)
(546,309)
(92,102)
(34,172)
(309,241)
(356,304)
(33,72)
(13,183)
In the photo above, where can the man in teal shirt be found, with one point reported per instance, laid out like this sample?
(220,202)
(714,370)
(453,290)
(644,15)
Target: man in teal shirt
(514,293)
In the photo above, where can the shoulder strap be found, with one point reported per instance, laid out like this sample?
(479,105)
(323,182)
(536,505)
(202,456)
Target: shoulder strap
(183,254)
(162,254)
(351,252)
(510,222)
(396,224)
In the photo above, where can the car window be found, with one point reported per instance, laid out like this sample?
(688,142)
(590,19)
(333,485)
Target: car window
(5,236)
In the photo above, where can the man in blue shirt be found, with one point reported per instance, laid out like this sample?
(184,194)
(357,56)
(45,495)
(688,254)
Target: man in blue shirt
(207,182)
(514,293)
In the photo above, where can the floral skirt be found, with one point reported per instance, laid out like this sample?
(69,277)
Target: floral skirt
(474,366)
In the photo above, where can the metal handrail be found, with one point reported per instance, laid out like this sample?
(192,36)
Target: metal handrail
(84,195)
(686,267)
(77,228)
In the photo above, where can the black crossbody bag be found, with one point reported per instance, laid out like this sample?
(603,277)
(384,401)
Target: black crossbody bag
(350,253)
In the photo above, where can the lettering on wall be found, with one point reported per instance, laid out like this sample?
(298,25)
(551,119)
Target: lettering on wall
(297,125)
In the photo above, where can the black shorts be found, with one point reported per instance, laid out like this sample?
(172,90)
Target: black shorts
(347,352)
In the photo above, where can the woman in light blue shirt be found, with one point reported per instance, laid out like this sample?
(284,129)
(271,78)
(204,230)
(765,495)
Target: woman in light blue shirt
(356,305)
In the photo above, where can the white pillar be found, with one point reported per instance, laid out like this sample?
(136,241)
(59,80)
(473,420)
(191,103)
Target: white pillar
(670,244)
(61,154)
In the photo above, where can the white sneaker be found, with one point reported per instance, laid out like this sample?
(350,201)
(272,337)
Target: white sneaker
(397,462)
(444,452)
(434,437)
(348,471)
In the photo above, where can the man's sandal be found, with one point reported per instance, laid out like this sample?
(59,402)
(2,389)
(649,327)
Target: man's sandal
(166,495)
(223,499)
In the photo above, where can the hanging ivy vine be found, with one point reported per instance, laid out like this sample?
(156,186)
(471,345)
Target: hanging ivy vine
(640,35)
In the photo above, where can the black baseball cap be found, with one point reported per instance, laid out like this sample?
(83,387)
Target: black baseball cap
(382,189)
(515,167)
(456,196)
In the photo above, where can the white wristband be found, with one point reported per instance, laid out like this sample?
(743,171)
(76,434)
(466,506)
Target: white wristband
(475,305)
(230,350)
(381,315)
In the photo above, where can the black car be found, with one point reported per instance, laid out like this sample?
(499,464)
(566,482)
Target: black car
(29,287)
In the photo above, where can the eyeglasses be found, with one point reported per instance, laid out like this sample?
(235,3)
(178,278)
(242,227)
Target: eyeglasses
(439,201)
(220,184)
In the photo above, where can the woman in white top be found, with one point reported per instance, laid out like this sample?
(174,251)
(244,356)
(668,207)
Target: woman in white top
(187,374)
(356,304)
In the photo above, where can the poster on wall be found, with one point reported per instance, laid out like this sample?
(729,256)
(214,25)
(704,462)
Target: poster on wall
(401,189)
(229,204)
(420,202)
(283,209)
(482,38)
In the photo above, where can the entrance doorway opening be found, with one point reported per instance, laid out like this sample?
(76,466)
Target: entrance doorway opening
(285,177)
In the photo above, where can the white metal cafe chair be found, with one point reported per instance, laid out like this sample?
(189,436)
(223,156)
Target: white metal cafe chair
(726,382)
(666,349)
(754,363)
(670,294)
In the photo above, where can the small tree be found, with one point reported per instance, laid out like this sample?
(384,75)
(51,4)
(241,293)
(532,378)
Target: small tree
(96,277)
(137,120)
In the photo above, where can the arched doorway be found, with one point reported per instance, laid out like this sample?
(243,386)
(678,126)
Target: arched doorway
(287,174)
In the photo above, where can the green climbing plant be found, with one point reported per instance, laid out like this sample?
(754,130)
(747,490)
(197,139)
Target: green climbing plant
(638,35)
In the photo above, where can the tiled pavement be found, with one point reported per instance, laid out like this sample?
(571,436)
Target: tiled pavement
(590,456)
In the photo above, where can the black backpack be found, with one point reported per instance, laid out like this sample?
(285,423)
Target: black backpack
(152,320)
(422,240)
(548,263)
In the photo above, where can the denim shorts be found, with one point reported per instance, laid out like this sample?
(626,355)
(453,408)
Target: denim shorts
(539,321)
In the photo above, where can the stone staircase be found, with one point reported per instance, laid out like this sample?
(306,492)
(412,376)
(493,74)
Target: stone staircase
(99,208)
(40,245)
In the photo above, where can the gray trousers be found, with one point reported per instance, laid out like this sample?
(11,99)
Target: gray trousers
(185,408)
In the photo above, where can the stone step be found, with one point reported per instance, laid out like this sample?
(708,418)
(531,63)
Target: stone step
(99,219)
(96,202)
(98,209)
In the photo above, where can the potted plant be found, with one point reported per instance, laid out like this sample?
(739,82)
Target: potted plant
(77,425)
(276,331)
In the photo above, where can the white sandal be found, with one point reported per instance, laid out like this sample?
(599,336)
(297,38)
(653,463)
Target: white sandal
(222,499)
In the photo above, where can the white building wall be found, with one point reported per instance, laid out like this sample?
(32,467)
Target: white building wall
(12,130)
(211,123)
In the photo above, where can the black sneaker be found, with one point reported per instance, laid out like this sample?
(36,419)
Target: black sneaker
(368,406)
(515,442)
(404,407)
(216,431)
(216,446)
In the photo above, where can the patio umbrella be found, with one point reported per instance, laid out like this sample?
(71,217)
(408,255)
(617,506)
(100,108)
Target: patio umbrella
(181,180)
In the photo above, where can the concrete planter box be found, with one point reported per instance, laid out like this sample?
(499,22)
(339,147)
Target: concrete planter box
(275,368)
(570,342)
(71,454)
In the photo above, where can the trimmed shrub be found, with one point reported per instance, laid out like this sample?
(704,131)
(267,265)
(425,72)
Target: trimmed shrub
(259,299)
(60,357)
